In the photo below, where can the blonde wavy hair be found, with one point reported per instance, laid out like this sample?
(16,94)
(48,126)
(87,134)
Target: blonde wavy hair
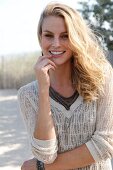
(89,58)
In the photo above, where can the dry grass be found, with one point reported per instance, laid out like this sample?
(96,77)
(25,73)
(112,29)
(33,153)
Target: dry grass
(16,71)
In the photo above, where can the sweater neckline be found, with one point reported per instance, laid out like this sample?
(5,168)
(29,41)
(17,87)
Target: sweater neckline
(73,107)
(65,101)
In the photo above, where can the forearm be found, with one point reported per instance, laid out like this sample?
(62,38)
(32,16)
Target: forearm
(44,128)
(76,158)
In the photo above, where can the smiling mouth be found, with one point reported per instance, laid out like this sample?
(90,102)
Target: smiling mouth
(57,52)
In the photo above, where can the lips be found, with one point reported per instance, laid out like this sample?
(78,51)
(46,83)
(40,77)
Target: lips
(57,52)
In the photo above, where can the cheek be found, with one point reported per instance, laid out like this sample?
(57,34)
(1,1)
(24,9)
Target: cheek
(66,44)
(69,52)
(45,43)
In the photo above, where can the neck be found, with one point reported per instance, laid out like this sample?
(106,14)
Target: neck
(61,76)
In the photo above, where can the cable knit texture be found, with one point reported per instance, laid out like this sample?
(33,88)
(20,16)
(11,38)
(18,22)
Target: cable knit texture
(84,123)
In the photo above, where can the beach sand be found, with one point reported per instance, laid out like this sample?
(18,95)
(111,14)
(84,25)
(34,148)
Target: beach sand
(14,146)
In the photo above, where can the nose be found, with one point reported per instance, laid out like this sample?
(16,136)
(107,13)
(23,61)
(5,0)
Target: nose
(56,42)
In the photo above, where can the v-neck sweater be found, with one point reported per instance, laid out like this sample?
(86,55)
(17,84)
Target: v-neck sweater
(84,123)
(65,101)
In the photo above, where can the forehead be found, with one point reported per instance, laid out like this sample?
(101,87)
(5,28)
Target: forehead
(54,24)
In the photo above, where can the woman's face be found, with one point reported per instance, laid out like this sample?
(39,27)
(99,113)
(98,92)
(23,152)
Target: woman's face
(55,41)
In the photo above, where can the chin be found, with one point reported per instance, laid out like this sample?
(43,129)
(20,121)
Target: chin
(60,62)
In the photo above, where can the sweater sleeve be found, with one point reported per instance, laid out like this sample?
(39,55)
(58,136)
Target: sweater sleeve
(101,143)
(43,150)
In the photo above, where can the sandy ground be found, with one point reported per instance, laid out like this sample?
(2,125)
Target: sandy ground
(14,146)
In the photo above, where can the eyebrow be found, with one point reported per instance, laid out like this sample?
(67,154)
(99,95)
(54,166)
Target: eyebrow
(52,32)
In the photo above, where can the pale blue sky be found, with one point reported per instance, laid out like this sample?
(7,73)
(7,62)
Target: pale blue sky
(18,24)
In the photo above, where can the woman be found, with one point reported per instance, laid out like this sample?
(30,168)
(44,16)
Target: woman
(68,110)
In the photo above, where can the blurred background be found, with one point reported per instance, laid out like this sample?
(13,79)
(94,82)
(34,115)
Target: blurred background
(19,50)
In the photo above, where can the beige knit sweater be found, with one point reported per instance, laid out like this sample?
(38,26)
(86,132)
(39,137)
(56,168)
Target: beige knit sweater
(85,123)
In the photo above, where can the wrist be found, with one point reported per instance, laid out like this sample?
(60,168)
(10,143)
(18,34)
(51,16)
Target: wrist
(43,90)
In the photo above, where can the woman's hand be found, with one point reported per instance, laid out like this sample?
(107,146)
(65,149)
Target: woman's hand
(42,67)
(29,165)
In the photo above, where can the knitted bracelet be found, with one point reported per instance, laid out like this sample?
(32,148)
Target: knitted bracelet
(40,165)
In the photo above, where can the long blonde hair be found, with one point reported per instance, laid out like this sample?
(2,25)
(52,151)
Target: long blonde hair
(89,58)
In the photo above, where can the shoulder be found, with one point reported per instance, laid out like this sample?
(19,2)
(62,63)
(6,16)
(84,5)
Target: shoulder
(108,72)
(107,93)
(28,89)
(107,69)
(28,93)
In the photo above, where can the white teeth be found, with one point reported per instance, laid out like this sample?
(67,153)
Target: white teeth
(56,52)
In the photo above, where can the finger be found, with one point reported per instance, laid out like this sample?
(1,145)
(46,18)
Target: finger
(45,62)
(52,63)
(41,58)
(44,57)
(48,67)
